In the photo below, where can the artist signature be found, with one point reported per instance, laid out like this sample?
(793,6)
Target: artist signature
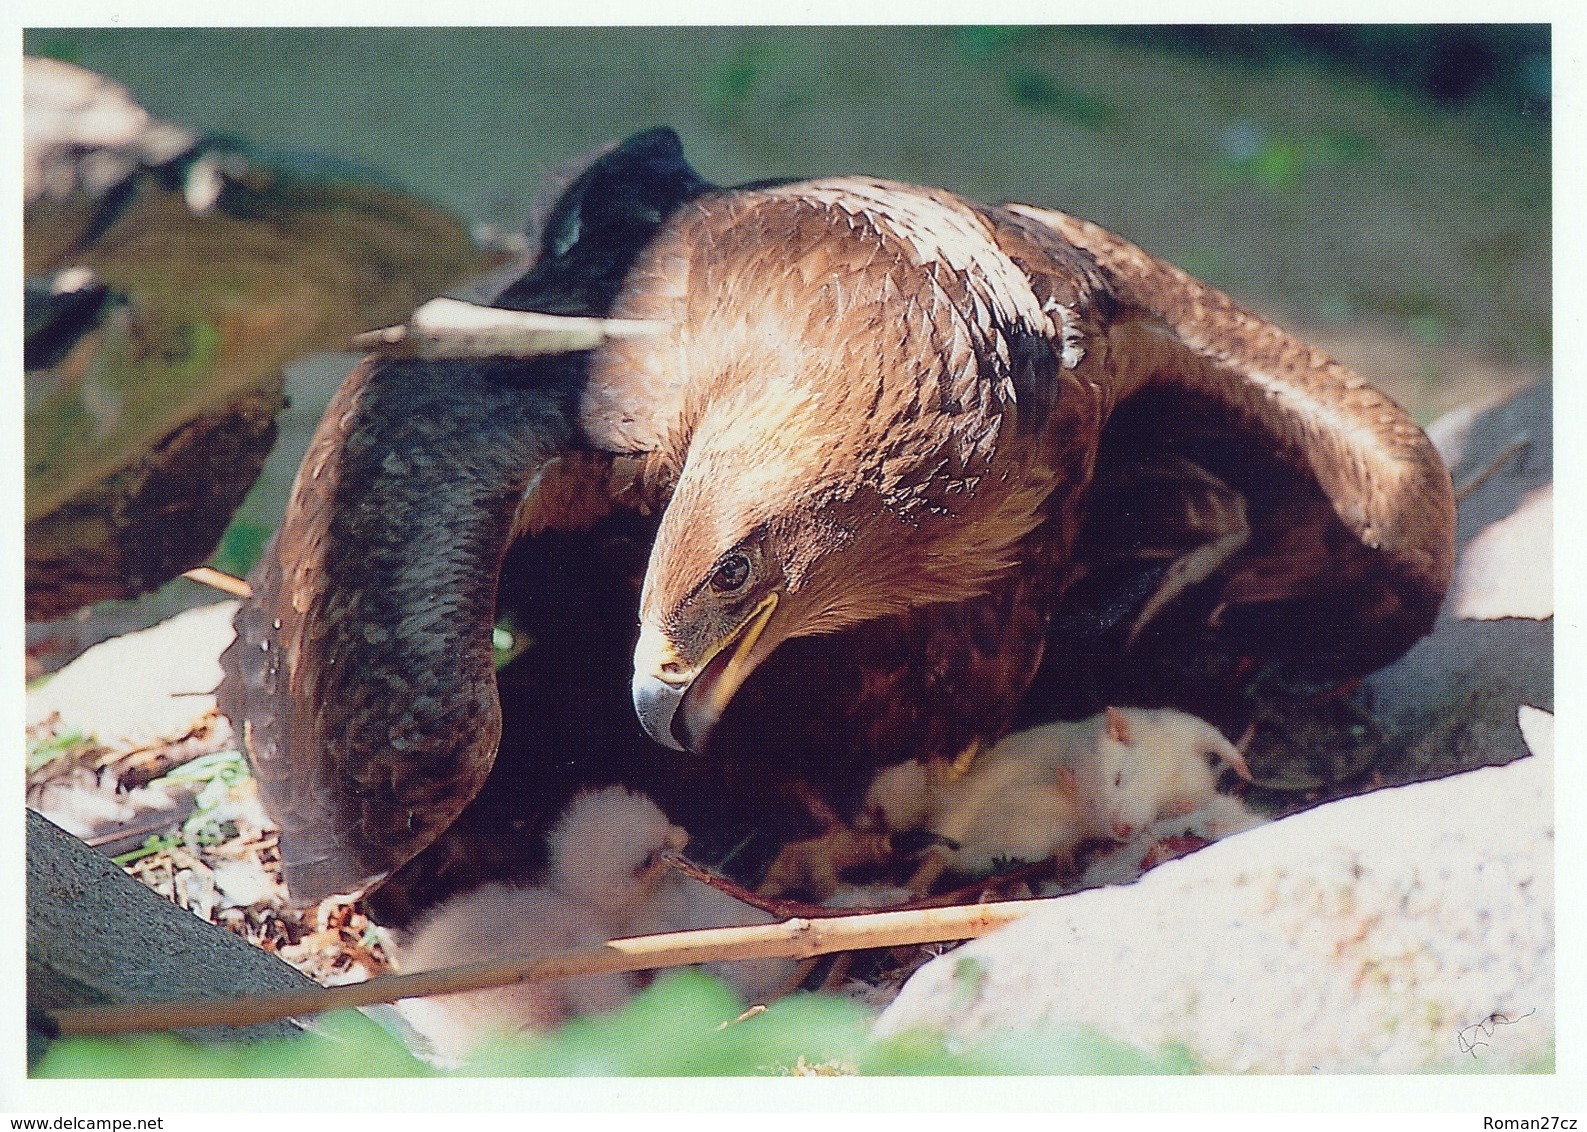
(1475,1036)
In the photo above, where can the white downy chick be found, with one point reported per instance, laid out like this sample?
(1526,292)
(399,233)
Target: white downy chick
(498,921)
(604,880)
(602,877)
(605,849)
(1011,804)
(1132,766)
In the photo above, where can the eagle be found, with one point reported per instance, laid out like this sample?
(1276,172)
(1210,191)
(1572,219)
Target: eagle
(814,477)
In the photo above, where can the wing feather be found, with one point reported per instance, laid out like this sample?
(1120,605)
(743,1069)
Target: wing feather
(382,578)
(1376,476)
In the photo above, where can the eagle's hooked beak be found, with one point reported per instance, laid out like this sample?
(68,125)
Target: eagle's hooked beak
(678,706)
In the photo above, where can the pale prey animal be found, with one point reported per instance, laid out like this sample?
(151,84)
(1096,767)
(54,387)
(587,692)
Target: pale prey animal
(1169,837)
(1132,766)
(604,880)
(1005,807)
(1039,793)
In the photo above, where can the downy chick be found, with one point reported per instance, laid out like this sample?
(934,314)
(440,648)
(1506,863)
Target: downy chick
(604,880)
(605,850)
(499,921)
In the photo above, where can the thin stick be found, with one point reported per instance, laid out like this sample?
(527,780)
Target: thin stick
(839,971)
(793,982)
(215,579)
(929,871)
(797,938)
(783,909)
(776,905)
(448,329)
(977,890)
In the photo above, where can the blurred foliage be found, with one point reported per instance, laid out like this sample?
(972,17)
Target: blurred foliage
(676,1029)
(1448,63)
(48,747)
(1508,65)
(240,547)
(1247,154)
(756,71)
(1035,91)
(685,1024)
(66,48)
(726,88)
(345,1044)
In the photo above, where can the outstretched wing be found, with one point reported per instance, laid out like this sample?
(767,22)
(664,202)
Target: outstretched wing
(1349,507)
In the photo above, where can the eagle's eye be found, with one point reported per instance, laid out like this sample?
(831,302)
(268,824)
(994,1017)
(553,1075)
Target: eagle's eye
(730,574)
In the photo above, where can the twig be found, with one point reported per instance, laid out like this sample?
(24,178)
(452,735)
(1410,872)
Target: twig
(839,971)
(977,890)
(125,838)
(794,981)
(206,576)
(797,938)
(929,871)
(776,905)
(446,328)
(783,909)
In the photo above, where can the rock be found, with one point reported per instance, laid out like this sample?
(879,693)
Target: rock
(160,514)
(142,686)
(1400,931)
(96,936)
(1509,565)
(310,382)
(1451,701)
(81,132)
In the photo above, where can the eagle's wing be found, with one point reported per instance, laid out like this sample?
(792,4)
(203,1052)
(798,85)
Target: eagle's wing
(1351,515)
(383,575)
(362,679)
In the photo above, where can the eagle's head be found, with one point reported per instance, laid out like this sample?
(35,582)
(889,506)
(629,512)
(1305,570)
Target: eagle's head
(845,362)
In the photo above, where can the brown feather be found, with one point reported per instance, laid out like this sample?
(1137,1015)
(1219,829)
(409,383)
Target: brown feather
(1379,473)
(381,579)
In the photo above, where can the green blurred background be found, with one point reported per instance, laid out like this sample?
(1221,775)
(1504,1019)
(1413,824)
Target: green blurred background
(1383,190)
